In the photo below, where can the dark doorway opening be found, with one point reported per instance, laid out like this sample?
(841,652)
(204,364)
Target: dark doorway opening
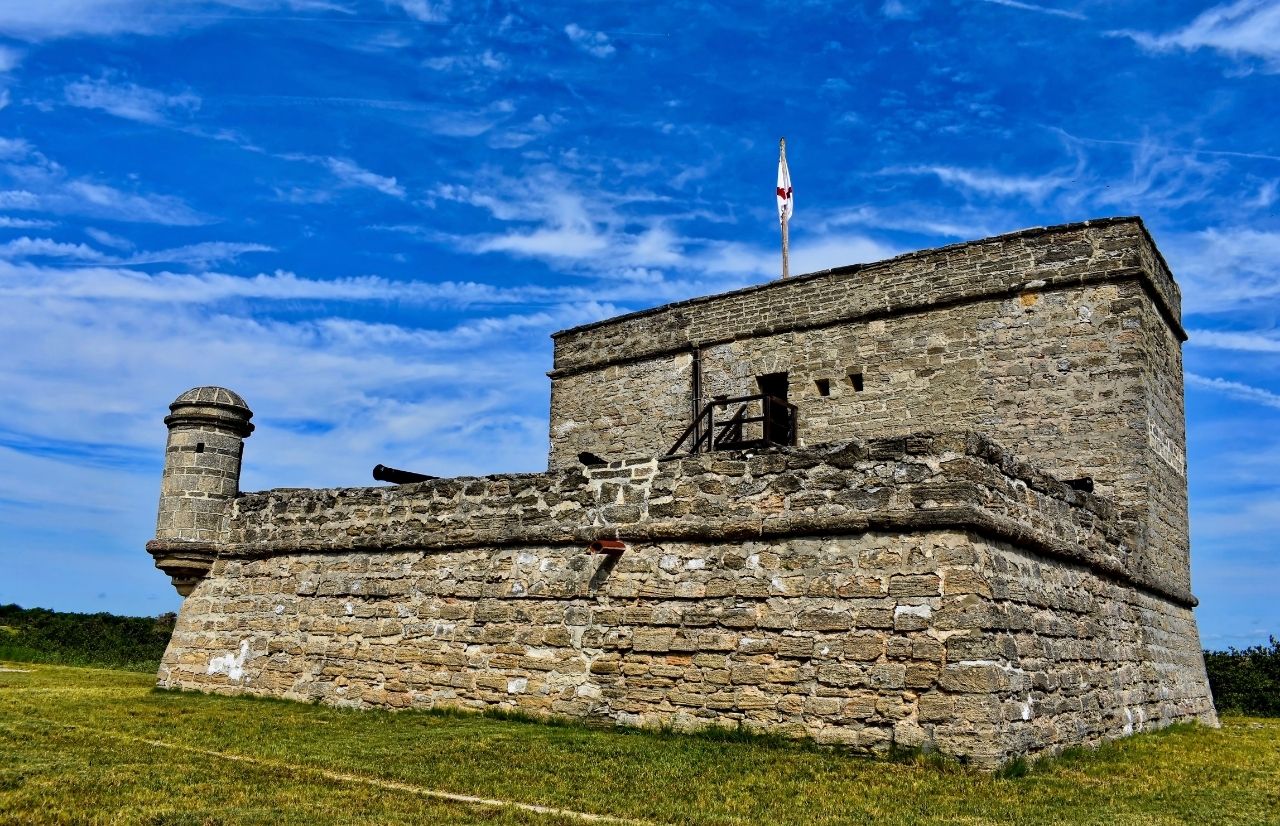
(780,429)
(773,384)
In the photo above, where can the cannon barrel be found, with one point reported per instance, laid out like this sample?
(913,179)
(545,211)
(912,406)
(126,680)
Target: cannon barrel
(395,476)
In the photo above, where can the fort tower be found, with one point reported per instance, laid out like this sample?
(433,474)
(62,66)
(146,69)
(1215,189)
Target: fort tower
(207,429)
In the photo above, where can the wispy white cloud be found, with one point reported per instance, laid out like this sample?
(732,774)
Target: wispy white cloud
(348,173)
(467,121)
(129,100)
(1235,390)
(301,195)
(1246,28)
(1206,151)
(422,10)
(51,19)
(519,135)
(988,182)
(1158,179)
(8,222)
(487,59)
(897,10)
(108,239)
(12,149)
(593,43)
(352,174)
(566,242)
(1267,192)
(580,223)
(116,284)
(357,392)
(25,247)
(1246,342)
(944,225)
(9,59)
(19,199)
(1225,269)
(43,184)
(1015,4)
(837,250)
(558,219)
(202,254)
(100,200)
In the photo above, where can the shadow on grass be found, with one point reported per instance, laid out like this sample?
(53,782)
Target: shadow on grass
(925,758)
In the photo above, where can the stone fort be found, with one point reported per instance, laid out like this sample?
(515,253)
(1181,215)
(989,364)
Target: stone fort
(937,501)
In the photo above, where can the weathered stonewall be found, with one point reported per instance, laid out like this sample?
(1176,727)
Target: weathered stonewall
(879,587)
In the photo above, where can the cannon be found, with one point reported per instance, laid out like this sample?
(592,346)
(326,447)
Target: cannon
(395,476)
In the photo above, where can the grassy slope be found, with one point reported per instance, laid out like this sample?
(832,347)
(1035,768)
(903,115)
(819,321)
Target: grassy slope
(52,772)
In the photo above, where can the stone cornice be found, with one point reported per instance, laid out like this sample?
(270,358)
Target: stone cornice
(909,484)
(834,297)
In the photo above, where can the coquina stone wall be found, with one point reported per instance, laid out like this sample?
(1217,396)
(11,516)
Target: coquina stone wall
(1061,343)
(927,590)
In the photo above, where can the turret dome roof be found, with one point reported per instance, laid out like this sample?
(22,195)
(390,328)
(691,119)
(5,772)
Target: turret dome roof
(211,395)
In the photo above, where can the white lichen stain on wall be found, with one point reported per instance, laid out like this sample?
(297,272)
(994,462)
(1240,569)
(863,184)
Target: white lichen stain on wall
(1166,448)
(230,664)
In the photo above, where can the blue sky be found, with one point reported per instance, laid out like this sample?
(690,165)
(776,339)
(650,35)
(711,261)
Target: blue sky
(366,217)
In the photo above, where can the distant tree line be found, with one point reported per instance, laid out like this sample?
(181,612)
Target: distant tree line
(1248,680)
(102,640)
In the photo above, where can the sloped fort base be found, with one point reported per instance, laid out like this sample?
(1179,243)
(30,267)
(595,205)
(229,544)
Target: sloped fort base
(920,591)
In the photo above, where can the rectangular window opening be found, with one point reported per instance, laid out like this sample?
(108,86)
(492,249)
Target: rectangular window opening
(824,387)
(199,447)
(856,380)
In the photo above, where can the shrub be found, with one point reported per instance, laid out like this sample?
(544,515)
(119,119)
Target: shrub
(1247,681)
(105,640)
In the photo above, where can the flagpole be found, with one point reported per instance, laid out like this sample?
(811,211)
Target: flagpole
(785,272)
(782,150)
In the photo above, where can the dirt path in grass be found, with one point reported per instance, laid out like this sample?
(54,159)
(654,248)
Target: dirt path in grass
(343,777)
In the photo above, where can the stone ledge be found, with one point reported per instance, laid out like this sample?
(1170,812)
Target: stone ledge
(185,562)
(914,482)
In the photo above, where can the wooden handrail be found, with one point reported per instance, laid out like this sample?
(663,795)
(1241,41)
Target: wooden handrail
(714,435)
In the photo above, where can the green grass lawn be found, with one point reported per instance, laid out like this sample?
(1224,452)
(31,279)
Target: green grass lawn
(73,749)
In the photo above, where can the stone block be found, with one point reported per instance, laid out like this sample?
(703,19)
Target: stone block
(652,640)
(862,646)
(921,675)
(887,675)
(915,585)
(823,619)
(840,675)
(974,678)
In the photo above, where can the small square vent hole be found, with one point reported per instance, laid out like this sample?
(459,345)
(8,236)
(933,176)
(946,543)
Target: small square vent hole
(824,386)
(856,380)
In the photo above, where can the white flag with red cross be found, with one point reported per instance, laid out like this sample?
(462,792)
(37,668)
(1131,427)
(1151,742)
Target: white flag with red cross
(786,199)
